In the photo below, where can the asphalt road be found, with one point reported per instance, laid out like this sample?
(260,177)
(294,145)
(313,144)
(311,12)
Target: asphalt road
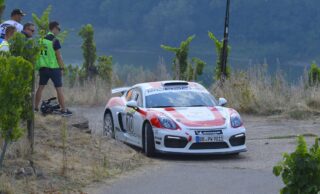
(250,172)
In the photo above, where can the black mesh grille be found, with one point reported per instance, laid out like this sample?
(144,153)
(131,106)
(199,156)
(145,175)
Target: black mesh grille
(180,142)
(209,145)
(237,141)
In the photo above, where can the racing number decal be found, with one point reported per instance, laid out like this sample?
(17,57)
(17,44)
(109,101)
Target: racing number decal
(44,51)
(129,123)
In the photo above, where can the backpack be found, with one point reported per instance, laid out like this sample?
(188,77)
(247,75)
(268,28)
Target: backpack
(50,106)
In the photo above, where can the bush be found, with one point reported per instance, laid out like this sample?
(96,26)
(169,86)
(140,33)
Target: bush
(29,49)
(104,68)
(314,74)
(239,92)
(300,170)
(255,91)
(15,79)
(71,73)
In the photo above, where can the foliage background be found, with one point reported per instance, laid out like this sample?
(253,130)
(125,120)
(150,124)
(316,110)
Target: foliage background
(282,33)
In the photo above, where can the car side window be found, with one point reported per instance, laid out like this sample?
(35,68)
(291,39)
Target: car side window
(129,95)
(137,96)
(139,99)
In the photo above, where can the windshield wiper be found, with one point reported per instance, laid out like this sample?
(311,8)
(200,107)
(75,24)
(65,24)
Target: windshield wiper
(161,106)
(198,105)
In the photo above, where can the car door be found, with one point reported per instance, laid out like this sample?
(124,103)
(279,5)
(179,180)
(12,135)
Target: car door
(121,128)
(131,119)
(138,118)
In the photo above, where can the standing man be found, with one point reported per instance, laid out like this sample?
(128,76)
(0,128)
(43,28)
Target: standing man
(9,32)
(28,30)
(16,18)
(50,66)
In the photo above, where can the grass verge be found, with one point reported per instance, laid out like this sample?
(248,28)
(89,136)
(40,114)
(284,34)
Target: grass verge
(257,92)
(65,160)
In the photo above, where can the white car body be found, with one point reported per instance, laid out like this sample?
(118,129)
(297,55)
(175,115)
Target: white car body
(190,130)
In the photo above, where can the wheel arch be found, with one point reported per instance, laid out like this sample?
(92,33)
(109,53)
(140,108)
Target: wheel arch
(107,110)
(143,131)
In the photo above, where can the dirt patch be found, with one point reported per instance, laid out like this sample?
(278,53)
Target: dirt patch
(65,160)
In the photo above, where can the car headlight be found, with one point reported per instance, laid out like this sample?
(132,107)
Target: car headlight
(235,120)
(167,123)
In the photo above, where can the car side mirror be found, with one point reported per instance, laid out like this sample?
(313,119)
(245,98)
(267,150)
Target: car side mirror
(222,101)
(132,104)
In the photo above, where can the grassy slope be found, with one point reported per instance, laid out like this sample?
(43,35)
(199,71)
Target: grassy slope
(87,159)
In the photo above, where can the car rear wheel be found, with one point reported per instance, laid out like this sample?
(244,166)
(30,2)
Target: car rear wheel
(148,144)
(108,127)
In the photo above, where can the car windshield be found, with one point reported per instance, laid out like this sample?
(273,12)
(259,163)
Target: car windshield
(180,99)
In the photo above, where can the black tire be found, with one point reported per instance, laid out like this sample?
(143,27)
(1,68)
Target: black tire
(148,143)
(108,127)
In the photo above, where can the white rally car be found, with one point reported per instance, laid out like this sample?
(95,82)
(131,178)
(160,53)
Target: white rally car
(174,117)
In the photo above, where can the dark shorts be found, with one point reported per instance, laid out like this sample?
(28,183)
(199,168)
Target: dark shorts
(53,74)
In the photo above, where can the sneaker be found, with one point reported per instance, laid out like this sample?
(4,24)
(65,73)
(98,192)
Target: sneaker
(57,112)
(66,113)
(36,110)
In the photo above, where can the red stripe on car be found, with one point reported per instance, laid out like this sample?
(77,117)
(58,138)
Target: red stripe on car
(116,101)
(218,119)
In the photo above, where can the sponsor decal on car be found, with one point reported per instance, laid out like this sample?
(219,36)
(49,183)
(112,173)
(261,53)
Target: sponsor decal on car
(151,91)
(208,132)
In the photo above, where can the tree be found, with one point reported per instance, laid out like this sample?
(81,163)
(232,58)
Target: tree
(219,45)
(104,68)
(2,8)
(15,79)
(195,69)
(42,23)
(28,49)
(185,70)
(180,62)
(72,73)
(89,50)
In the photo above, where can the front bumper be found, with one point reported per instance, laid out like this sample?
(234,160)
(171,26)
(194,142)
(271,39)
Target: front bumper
(185,142)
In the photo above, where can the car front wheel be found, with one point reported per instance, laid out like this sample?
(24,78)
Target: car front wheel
(108,127)
(148,144)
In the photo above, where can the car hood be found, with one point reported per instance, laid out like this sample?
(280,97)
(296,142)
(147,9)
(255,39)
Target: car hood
(197,116)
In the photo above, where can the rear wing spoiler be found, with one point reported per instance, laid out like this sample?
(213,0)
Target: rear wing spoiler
(120,90)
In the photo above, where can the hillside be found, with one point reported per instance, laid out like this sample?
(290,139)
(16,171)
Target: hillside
(280,32)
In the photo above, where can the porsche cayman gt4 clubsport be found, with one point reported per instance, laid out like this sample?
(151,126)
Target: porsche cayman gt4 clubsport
(174,117)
